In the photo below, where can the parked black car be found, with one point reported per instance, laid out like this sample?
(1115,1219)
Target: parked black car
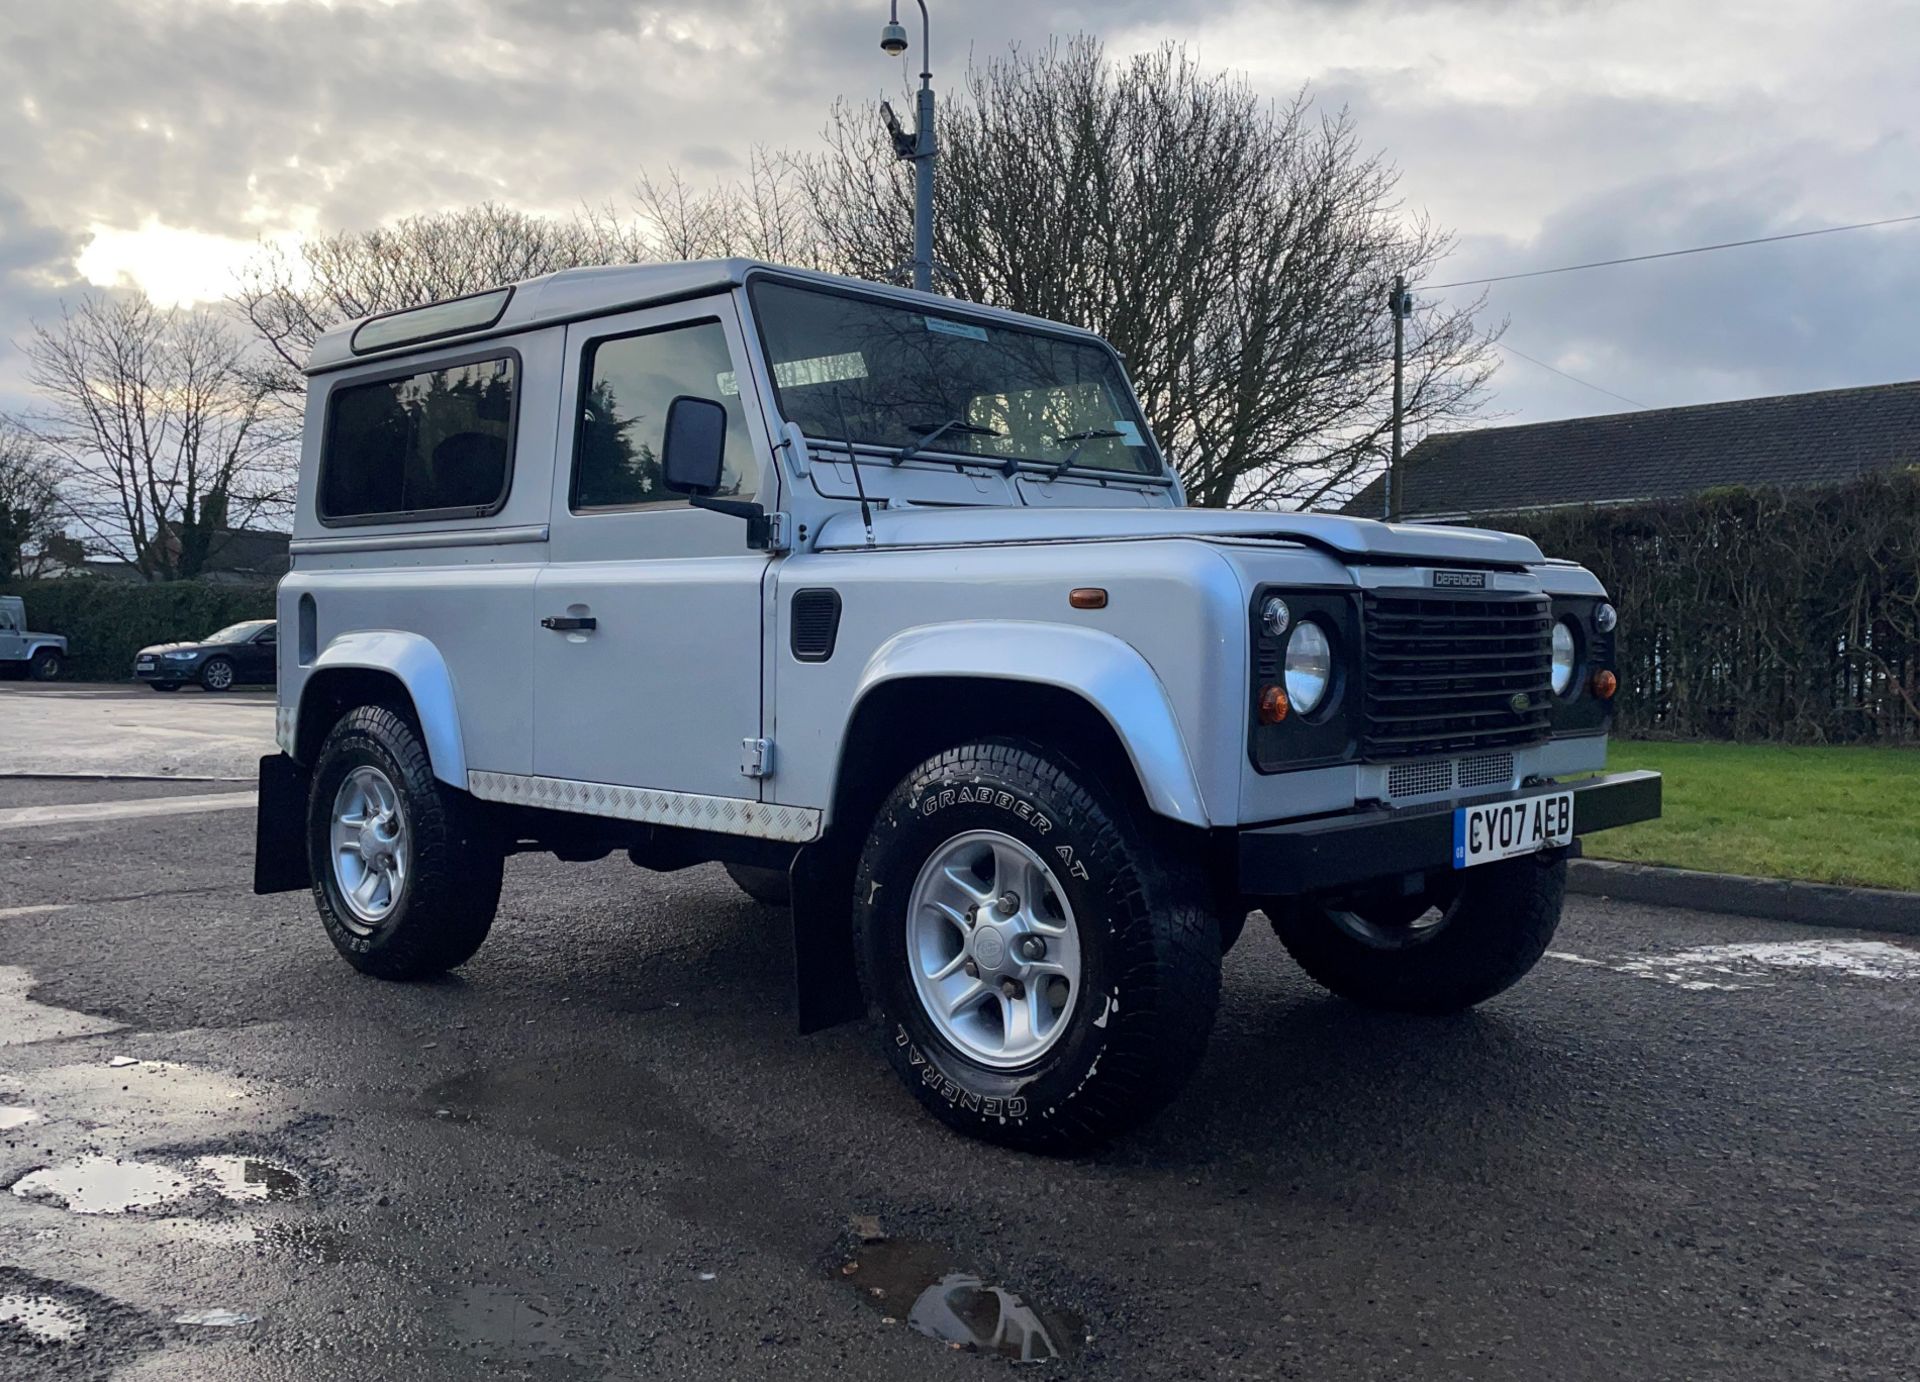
(239,654)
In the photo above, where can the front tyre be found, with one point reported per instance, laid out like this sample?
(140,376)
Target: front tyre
(1044,966)
(46,665)
(217,675)
(1489,928)
(405,879)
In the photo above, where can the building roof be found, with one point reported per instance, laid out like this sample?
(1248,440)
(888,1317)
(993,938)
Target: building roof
(1786,441)
(570,294)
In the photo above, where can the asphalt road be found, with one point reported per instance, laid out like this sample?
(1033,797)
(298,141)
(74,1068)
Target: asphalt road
(1684,1148)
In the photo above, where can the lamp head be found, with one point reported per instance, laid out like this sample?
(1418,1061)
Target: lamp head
(893,38)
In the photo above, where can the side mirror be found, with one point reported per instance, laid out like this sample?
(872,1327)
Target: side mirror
(693,454)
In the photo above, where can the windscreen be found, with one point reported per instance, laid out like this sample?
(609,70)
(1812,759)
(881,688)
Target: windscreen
(897,375)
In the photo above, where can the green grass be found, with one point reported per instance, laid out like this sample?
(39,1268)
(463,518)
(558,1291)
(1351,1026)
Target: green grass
(1836,815)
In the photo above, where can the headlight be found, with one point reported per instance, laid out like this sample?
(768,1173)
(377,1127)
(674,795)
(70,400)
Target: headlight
(1309,667)
(179,657)
(1564,652)
(1605,617)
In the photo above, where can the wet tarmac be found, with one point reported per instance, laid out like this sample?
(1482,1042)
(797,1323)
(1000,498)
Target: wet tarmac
(1682,1149)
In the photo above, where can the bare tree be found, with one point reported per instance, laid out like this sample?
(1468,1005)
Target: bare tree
(765,216)
(1237,253)
(159,431)
(29,503)
(292,298)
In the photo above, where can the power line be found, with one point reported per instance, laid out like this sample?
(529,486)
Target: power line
(1671,254)
(1575,378)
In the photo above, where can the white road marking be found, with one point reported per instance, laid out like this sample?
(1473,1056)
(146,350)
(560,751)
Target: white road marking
(35,910)
(71,813)
(1753,964)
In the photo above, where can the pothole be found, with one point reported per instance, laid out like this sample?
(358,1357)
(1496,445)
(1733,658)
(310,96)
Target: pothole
(43,1319)
(918,1284)
(249,1179)
(121,1185)
(105,1185)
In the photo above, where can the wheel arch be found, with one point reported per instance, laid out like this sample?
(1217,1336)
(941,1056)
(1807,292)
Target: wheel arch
(402,671)
(921,691)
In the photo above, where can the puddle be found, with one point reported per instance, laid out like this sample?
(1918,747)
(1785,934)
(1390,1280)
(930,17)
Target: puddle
(249,1179)
(916,1283)
(104,1185)
(217,1319)
(1756,964)
(42,1318)
(115,1185)
(11,1117)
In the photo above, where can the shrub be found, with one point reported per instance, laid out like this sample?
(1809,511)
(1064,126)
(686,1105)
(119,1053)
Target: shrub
(106,622)
(1760,614)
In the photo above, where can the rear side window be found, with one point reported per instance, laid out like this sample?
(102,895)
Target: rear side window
(435,443)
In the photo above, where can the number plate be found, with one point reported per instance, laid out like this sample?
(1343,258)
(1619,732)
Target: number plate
(1504,829)
(145,664)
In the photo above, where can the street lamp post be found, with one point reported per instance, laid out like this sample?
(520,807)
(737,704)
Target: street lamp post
(917,148)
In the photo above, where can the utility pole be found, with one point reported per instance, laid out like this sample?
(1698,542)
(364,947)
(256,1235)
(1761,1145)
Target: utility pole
(919,147)
(1400,303)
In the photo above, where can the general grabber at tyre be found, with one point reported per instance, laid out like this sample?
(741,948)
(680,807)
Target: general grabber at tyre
(406,879)
(1486,928)
(1043,961)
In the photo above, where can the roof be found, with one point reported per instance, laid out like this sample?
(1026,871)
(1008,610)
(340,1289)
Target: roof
(570,294)
(1785,441)
(253,550)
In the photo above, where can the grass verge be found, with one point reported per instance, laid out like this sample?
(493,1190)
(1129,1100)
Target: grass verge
(1826,815)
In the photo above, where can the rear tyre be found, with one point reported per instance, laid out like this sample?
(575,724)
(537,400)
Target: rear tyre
(406,877)
(217,675)
(768,887)
(1492,927)
(1045,966)
(46,665)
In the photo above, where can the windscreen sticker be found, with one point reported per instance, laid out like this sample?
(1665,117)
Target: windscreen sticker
(1129,432)
(961,329)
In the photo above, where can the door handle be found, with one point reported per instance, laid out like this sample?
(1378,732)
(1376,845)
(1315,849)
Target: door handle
(567,624)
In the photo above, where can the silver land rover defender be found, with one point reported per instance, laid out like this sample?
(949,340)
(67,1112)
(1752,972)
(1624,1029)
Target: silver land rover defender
(890,605)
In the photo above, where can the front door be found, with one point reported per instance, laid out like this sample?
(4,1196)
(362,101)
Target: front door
(256,656)
(652,676)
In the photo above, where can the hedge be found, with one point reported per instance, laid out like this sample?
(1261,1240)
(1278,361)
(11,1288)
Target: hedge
(1790,616)
(106,621)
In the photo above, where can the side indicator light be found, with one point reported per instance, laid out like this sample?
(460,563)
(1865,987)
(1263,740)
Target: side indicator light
(1087,597)
(1273,705)
(1605,684)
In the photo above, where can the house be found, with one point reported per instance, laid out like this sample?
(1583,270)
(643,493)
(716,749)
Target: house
(235,556)
(1787,441)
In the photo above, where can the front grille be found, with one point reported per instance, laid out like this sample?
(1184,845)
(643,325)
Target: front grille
(1444,675)
(1433,776)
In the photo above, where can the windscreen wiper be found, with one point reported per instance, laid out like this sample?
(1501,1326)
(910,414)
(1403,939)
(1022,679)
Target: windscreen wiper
(934,434)
(1082,438)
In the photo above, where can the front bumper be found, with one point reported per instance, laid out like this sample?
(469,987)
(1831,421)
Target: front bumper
(162,670)
(1331,853)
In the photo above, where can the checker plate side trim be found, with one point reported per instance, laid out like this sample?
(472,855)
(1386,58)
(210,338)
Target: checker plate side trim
(686,810)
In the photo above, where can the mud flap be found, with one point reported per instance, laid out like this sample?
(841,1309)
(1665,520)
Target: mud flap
(826,987)
(280,828)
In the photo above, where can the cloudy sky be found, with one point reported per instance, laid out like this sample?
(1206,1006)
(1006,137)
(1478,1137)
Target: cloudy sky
(156,141)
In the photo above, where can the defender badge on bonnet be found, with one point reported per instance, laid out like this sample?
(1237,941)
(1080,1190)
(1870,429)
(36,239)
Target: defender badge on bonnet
(1460,580)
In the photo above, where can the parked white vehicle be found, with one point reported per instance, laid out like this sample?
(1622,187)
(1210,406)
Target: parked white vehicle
(41,656)
(890,604)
